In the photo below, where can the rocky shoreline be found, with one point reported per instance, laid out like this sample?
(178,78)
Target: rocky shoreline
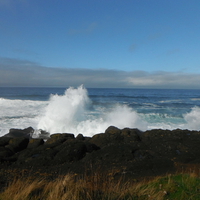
(128,152)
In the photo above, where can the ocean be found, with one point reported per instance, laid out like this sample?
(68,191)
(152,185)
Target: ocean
(91,110)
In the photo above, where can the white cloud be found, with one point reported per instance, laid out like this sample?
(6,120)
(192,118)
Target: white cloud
(14,72)
(166,80)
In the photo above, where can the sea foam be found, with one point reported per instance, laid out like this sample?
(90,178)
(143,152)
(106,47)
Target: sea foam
(16,113)
(71,113)
(193,119)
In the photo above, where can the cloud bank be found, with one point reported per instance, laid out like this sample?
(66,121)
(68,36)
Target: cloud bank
(22,73)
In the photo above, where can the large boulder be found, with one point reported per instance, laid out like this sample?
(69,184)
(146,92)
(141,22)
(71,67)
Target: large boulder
(5,152)
(178,145)
(58,139)
(112,130)
(35,142)
(26,133)
(17,144)
(4,141)
(115,135)
(69,151)
(57,150)
(125,151)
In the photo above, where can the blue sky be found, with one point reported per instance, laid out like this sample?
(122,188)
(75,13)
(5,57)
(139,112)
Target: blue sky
(100,43)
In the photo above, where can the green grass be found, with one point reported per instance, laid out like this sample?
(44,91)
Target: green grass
(104,187)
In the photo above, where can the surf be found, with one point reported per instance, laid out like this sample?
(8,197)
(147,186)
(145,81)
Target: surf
(92,111)
(73,111)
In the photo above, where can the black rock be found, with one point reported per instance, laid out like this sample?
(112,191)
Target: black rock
(17,144)
(115,135)
(71,150)
(5,152)
(125,151)
(26,133)
(35,142)
(112,130)
(4,141)
(80,137)
(58,138)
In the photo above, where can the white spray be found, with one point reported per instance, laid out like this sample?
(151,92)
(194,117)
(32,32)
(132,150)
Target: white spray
(193,119)
(70,113)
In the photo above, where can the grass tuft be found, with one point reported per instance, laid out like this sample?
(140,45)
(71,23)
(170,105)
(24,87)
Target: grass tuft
(99,186)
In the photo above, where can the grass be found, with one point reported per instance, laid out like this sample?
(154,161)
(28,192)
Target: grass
(98,186)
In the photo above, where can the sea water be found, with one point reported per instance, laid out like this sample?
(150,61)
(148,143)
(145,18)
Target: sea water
(91,110)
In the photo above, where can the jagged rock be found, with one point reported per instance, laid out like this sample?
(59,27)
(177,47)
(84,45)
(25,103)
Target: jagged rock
(26,133)
(80,137)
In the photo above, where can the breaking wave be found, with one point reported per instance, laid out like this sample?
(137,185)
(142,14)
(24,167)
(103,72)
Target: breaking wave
(72,112)
(193,118)
(16,113)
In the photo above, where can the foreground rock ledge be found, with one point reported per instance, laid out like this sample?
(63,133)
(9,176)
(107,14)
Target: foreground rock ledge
(127,152)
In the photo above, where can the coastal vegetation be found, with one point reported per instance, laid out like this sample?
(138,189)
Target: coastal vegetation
(98,186)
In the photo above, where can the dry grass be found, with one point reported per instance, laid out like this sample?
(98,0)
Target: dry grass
(103,187)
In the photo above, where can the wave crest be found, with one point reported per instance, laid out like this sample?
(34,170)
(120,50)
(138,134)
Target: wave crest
(70,113)
(193,118)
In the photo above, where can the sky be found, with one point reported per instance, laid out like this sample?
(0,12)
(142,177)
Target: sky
(100,43)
